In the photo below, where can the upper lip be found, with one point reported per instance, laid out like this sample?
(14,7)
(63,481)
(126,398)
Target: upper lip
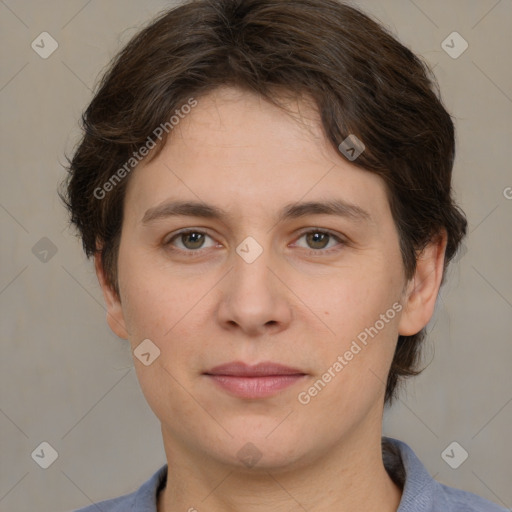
(264,369)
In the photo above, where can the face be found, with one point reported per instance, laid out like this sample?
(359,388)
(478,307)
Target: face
(249,240)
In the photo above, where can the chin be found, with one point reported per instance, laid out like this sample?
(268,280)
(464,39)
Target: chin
(253,450)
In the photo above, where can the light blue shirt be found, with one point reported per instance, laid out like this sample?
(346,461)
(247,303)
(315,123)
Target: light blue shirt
(421,493)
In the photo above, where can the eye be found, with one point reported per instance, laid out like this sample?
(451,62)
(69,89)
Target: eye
(320,240)
(190,240)
(193,240)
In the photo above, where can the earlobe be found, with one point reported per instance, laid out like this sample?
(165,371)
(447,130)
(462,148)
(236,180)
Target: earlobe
(420,296)
(115,317)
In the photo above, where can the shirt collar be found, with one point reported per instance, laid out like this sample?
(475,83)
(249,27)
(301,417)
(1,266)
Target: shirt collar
(417,494)
(419,487)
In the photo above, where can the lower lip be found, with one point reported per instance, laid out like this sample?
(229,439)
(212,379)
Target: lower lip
(255,387)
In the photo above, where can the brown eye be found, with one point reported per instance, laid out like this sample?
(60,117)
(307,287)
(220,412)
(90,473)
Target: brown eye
(190,241)
(317,239)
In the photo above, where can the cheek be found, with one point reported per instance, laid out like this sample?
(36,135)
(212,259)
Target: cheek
(152,304)
(361,306)
(355,298)
(172,312)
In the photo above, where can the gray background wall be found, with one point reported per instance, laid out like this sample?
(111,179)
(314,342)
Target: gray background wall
(66,380)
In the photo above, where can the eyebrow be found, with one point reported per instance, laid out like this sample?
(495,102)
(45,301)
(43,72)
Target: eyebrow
(336,207)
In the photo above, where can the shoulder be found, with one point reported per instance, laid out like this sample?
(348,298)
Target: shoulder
(421,493)
(120,504)
(450,499)
(142,500)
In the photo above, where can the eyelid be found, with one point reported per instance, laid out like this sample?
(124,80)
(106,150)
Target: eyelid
(185,231)
(316,229)
(337,236)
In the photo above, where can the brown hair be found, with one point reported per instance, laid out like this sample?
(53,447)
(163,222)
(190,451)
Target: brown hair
(362,80)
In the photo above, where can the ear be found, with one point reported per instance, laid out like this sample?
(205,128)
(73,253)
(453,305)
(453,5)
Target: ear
(419,299)
(115,317)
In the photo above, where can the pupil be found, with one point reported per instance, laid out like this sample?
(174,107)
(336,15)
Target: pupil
(196,240)
(319,238)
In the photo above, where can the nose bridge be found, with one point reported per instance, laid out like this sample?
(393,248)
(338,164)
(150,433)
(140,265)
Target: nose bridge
(252,297)
(251,271)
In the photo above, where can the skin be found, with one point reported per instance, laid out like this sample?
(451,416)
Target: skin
(301,303)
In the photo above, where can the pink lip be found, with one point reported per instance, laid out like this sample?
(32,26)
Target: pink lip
(257,381)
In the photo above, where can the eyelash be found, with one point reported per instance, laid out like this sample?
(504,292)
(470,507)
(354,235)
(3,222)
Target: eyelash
(191,252)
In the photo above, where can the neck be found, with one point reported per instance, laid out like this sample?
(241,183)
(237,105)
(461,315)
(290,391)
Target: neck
(351,477)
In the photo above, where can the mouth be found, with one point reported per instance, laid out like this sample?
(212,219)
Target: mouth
(254,381)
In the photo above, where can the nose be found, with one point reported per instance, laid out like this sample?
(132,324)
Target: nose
(254,299)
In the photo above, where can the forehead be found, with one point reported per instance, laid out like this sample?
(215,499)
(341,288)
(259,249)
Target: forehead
(235,148)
